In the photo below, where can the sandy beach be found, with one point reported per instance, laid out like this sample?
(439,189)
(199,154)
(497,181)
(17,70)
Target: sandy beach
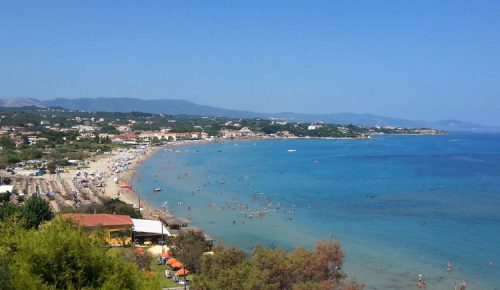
(112,171)
(116,171)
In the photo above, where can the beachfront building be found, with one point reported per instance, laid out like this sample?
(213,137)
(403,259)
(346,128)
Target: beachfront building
(148,231)
(314,127)
(244,132)
(125,139)
(172,136)
(117,228)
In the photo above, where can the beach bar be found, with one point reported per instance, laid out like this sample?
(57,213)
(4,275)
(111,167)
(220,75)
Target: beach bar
(117,228)
(148,231)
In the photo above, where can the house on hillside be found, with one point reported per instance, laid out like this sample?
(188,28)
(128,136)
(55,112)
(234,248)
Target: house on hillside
(117,228)
(314,127)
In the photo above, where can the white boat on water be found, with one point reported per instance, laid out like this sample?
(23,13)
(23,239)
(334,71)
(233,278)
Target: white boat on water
(292,150)
(157,189)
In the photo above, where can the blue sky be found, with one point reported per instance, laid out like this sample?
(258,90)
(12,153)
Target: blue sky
(417,59)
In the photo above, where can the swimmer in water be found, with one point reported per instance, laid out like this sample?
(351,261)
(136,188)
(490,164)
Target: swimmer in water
(420,281)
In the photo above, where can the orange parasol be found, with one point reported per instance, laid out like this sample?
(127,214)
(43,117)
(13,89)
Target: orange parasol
(182,272)
(177,265)
(165,255)
(171,261)
(138,250)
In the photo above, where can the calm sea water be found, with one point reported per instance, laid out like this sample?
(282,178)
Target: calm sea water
(400,205)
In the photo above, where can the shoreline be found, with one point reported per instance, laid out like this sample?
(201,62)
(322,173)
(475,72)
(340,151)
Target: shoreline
(131,196)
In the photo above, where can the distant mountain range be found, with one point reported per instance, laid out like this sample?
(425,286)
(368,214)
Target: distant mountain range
(182,107)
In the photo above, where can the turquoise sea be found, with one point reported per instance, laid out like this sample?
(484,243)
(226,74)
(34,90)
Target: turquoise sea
(400,205)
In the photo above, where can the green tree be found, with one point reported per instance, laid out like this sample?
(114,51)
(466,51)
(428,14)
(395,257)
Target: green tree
(188,247)
(275,269)
(5,197)
(8,210)
(116,206)
(106,128)
(7,143)
(51,167)
(225,269)
(62,256)
(8,157)
(35,211)
(30,153)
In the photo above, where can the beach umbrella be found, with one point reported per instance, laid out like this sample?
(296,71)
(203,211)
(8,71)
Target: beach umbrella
(138,250)
(172,260)
(182,272)
(177,265)
(165,254)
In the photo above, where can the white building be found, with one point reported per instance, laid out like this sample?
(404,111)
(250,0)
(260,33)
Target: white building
(149,230)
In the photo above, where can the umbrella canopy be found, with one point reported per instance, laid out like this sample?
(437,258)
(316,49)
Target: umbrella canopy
(177,265)
(171,261)
(127,186)
(165,254)
(138,250)
(182,272)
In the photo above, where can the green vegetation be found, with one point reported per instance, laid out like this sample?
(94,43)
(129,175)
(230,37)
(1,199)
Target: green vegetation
(267,268)
(33,212)
(188,248)
(62,256)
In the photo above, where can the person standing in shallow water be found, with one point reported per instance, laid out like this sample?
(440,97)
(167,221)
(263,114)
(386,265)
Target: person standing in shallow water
(420,281)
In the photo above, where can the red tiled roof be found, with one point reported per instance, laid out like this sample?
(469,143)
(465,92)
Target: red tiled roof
(126,136)
(92,220)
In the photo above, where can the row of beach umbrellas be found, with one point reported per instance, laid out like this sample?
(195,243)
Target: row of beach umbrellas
(172,262)
(175,264)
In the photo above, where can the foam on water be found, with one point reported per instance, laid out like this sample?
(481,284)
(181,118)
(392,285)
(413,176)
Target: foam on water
(400,205)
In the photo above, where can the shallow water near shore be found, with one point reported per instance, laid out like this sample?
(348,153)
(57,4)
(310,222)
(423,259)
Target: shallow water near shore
(400,205)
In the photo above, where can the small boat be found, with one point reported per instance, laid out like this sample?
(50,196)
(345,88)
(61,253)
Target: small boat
(292,150)
(157,189)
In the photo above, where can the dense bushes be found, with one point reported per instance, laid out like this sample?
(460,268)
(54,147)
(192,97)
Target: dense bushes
(230,268)
(62,256)
(270,268)
(33,212)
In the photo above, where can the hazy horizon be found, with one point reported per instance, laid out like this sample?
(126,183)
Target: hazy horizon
(419,60)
